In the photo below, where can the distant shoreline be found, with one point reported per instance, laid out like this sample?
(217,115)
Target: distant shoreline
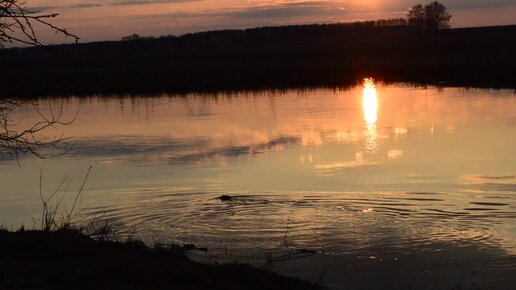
(289,57)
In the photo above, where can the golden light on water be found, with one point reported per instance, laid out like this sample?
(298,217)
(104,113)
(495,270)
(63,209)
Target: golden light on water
(370,102)
(370,107)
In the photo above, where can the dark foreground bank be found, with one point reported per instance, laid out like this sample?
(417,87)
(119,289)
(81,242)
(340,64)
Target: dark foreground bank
(308,56)
(70,260)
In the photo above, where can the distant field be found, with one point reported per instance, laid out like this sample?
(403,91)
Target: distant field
(265,58)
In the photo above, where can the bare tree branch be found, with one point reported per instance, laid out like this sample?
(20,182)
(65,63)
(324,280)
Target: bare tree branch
(15,140)
(17,24)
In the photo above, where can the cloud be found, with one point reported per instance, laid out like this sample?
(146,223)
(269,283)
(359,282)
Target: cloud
(281,11)
(109,3)
(477,4)
(451,4)
(284,9)
(146,2)
(291,8)
(86,5)
(78,5)
(288,10)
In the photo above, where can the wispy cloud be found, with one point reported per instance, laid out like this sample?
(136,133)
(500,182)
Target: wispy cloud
(85,5)
(108,3)
(146,2)
(280,11)
(287,10)
(78,5)
(478,4)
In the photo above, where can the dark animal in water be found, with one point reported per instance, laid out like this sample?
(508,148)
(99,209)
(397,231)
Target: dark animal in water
(225,198)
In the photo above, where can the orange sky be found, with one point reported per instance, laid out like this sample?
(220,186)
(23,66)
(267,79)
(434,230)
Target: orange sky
(113,19)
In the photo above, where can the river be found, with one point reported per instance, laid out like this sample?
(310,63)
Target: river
(375,186)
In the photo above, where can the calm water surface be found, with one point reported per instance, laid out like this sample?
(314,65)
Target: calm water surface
(391,187)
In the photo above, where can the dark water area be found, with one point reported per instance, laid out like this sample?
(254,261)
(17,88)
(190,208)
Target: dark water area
(372,187)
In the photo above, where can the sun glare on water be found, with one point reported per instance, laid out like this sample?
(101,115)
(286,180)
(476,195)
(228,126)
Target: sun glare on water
(370,106)
(370,102)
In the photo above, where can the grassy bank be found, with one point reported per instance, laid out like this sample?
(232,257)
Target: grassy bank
(265,58)
(67,259)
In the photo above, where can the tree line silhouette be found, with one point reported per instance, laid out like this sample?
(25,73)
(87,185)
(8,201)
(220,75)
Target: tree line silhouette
(295,56)
(432,16)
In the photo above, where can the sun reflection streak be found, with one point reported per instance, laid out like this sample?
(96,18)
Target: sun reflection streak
(370,102)
(370,106)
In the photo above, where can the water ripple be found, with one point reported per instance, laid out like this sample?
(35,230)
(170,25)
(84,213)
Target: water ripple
(338,222)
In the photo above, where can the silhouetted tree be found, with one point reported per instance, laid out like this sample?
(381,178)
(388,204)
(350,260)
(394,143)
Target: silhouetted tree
(436,16)
(391,22)
(432,16)
(131,37)
(17,23)
(416,15)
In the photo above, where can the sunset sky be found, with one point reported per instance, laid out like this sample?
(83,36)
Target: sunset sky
(112,19)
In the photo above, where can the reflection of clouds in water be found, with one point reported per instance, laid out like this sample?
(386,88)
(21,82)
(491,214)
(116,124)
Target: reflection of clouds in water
(175,151)
(253,149)
(306,158)
(341,167)
(483,177)
(344,165)
(336,168)
(127,145)
(399,132)
(395,154)
(485,183)
(494,186)
(348,136)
